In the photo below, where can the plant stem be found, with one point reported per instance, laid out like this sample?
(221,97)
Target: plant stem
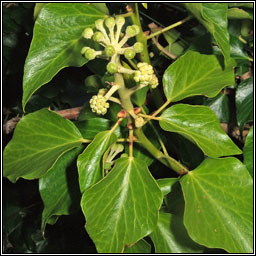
(158,136)
(150,117)
(130,143)
(144,56)
(161,108)
(163,50)
(166,160)
(169,27)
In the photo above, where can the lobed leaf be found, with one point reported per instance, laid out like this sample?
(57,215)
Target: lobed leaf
(89,162)
(123,207)
(196,74)
(200,125)
(59,190)
(140,247)
(244,102)
(219,205)
(170,236)
(40,138)
(56,43)
(248,151)
(214,17)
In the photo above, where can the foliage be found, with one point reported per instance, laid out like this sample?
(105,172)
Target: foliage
(146,166)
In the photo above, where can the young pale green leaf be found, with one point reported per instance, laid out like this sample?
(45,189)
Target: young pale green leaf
(166,184)
(170,236)
(200,125)
(244,102)
(39,140)
(59,189)
(196,74)
(214,17)
(89,162)
(140,247)
(219,205)
(248,151)
(56,43)
(123,207)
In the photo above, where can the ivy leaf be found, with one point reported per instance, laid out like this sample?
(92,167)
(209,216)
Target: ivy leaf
(220,106)
(39,140)
(244,102)
(237,13)
(140,247)
(56,43)
(166,184)
(58,189)
(214,17)
(200,125)
(196,74)
(121,220)
(91,127)
(217,213)
(89,162)
(248,151)
(38,8)
(170,236)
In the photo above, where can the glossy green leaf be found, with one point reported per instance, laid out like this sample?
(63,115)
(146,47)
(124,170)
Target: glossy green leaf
(219,205)
(140,247)
(237,13)
(170,236)
(56,43)
(188,153)
(38,8)
(237,49)
(59,189)
(123,207)
(214,17)
(101,7)
(89,162)
(244,4)
(196,74)
(220,106)
(244,102)
(39,140)
(91,127)
(166,184)
(200,125)
(248,151)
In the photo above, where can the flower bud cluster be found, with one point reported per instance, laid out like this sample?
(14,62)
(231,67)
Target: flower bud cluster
(109,35)
(99,104)
(145,75)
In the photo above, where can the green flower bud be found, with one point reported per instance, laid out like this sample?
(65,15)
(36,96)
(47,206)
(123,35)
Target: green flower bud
(139,121)
(84,50)
(120,20)
(99,24)
(90,54)
(130,31)
(87,33)
(99,105)
(129,54)
(137,29)
(138,47)
(109,50)
(98,36)
(112,68)
(110,22)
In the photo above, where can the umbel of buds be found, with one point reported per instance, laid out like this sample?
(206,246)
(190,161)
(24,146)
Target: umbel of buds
(145,75)
(98,103)
(110,36)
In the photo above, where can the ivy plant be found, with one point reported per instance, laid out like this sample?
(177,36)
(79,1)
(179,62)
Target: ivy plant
(141,117)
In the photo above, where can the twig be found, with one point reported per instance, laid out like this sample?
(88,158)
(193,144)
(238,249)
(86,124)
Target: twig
(163,50)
